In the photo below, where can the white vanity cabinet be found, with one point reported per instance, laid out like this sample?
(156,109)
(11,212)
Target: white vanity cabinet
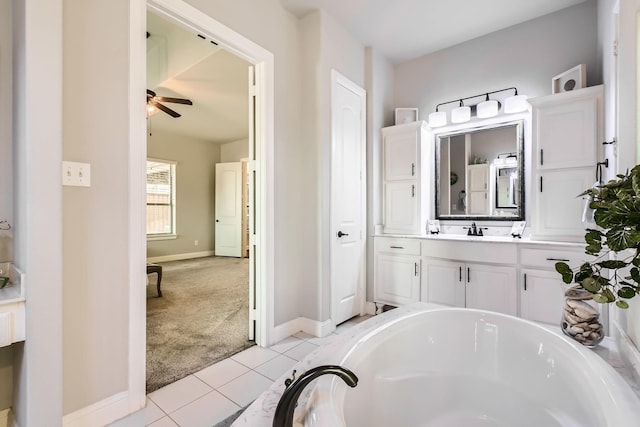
(567,140)
(404,193)
(397,271)
(474,279)
(541,286)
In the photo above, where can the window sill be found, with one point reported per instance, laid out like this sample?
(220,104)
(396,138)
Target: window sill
(162,237)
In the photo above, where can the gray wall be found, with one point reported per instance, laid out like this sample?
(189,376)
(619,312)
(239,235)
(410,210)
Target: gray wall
(195,192)
(234,151)
(527,56)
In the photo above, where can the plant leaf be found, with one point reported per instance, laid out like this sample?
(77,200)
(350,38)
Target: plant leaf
(609,295)
(591,284)
(626,292)
(612,264)
(600,299)
(564,269)
(622,304)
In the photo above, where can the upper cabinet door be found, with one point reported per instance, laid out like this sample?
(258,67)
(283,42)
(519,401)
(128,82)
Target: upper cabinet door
(566,128)
(400,156)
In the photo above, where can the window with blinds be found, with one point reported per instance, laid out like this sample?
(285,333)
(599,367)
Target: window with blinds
(161,198)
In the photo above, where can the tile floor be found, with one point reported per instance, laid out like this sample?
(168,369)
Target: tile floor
(207,397)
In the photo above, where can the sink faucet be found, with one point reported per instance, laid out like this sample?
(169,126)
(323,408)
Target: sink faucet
(473,231)
(287,404)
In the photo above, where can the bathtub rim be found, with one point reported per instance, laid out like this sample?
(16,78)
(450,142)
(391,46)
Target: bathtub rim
(321,403)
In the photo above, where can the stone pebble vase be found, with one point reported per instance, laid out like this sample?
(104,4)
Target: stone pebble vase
(580,320)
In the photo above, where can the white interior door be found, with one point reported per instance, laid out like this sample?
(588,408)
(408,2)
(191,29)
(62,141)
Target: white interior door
(347,198)
(228,198)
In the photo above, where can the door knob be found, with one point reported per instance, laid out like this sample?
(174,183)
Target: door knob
(340,234)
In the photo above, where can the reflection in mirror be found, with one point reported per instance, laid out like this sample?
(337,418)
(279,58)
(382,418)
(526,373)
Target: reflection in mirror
(479,173)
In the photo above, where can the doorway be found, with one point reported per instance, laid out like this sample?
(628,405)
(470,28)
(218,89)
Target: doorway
(260,171)
(198,125)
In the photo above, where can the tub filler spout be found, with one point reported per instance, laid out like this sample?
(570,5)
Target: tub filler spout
(286,405)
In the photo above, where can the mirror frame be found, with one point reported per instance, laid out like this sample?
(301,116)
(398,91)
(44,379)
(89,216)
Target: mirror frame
(520,143)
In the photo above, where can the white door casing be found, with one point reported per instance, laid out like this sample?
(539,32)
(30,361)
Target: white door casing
(228,210)
(348,192)
(180,12)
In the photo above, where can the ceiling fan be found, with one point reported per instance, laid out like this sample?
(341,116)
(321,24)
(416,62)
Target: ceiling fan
(154,101)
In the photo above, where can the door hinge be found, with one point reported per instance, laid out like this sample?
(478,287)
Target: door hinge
(253,239)
(614,49)
(252,90)
(251,165)
(252,314)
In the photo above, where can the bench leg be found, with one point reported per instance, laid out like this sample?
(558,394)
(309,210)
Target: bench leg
(158,284)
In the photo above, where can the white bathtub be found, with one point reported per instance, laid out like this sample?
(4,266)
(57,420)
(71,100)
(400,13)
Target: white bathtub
(468,368)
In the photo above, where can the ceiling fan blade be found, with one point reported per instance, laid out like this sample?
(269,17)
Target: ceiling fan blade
(176,100)
(167,110)
(150,93)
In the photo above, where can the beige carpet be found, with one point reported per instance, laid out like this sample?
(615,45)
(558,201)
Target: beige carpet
(202,317)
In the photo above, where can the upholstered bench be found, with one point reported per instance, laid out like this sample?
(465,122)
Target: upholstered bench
(155,268)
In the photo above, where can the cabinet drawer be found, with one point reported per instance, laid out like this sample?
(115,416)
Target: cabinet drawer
(547,257)
(398,246)
(470,251)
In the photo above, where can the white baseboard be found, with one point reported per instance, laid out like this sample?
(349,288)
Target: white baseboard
(5,418)
(180,257)
(311,327)
(100,413)
(628,350)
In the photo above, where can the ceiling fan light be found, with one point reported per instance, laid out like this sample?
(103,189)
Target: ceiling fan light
(516,104)
(152,110)
(461,114)
(487,108)
(437,119)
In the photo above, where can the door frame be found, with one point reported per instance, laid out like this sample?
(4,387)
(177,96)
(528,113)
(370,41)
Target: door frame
(339,79)
(181,13)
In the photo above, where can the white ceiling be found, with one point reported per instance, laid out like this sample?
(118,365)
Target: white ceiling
(407,29)
(182,65)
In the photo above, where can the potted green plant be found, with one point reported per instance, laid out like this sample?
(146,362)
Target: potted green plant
(616,207)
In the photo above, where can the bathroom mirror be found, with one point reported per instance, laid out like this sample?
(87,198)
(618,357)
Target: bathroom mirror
(480,173)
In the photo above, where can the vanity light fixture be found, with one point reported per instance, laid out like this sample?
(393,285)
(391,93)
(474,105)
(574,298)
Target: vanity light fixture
(437,118)
(487,108)
(461,114)
(515,103)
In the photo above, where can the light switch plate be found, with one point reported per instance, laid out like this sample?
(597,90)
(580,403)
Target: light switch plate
(76,174)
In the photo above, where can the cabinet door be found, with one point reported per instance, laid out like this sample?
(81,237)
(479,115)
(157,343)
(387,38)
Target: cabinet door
(397,279)
(477,189)
(401,207)
(558,210)
(478,203)
(492,288)
(400,154)
(566,129)
(541,296)
(478,177)
(443,283)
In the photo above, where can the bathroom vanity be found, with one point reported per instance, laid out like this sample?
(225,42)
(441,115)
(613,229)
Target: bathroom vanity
(12,307)
(492,172)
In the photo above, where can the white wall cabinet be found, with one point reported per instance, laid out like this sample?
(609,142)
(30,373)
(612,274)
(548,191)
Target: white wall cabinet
(404,193)
(567,136)
(397,271)
(472,285)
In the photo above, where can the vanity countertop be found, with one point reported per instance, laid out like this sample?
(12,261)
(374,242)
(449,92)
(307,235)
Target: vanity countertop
(485,239)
